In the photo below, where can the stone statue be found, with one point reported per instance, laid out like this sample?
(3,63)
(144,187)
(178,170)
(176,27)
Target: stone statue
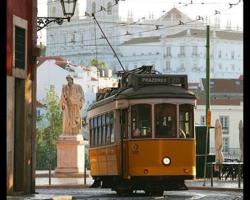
(72,99)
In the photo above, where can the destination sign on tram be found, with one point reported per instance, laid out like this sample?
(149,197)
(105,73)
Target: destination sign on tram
(162,79)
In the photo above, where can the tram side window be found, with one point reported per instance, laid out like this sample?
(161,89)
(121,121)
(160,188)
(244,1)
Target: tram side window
(107,128)
(99,132)
(186,121)
(112,134)
(103,130)
(124,123)
(165,120)
(95,132)
(141,120)
(90,132)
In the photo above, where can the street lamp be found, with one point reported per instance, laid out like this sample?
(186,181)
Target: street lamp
(68,7)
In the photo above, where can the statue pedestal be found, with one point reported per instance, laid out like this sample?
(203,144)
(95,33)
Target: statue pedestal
(70,156)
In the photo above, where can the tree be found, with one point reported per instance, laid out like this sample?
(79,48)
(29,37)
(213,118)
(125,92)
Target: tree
(47,136)
(100,65)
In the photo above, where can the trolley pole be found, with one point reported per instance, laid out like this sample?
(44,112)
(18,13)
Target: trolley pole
(208,114)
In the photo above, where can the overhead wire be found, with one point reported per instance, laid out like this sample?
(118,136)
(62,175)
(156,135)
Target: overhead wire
(172,26)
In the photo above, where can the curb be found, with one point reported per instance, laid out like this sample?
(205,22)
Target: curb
(89,186)
(41,198)
(216,189)
(61,186)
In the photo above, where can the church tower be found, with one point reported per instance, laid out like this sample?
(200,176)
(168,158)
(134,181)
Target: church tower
(106,10)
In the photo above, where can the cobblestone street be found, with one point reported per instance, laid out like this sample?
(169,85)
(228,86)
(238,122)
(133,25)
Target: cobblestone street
(91,193)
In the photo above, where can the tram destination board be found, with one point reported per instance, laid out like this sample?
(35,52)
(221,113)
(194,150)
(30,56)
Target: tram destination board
(153,79)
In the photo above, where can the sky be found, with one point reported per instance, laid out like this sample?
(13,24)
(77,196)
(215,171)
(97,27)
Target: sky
(192,8)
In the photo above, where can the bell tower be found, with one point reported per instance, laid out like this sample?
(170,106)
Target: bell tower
(54,9)
(104,9)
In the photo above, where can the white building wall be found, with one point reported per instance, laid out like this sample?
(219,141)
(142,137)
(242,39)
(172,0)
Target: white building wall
(195,66)
(48,73)
(235,114)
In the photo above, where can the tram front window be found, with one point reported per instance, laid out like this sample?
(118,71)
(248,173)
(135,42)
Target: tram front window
(165,120)
(186,121)
(141,120)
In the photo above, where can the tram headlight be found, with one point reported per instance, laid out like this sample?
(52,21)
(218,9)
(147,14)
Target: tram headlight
(166,161)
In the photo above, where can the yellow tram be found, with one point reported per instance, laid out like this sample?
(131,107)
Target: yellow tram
(142,133)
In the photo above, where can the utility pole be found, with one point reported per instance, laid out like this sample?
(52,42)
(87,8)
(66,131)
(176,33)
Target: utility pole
(208,113)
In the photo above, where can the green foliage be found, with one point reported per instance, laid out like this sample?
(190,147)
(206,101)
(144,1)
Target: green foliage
(43,49)
(47,136)
(98,63)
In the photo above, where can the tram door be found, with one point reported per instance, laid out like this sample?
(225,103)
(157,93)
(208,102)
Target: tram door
(124,143)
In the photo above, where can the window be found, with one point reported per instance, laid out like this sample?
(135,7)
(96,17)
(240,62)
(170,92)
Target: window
(165,118)
(182,68)
(94,132)
(182,51)
(195,50)
(124,123)
(225,124)
(91,135)
(20,47)
(169,51)
(82,39)
(186,121)
(225,144)
(168,66)
(195,68)
(232,54)
(109,8)
(233,67)
(99,133)
(112,134)
(220,66)
(107,128)
(103,130)
(219,54)
(73,38)
(141,120)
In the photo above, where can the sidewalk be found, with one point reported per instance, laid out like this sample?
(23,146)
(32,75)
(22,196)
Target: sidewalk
(218,185)
(42,182)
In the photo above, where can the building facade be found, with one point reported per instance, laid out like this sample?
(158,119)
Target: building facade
(226,104)
(81,40)
(21,54)
(166,44)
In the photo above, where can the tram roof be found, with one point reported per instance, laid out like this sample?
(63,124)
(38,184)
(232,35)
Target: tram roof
(147,92)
